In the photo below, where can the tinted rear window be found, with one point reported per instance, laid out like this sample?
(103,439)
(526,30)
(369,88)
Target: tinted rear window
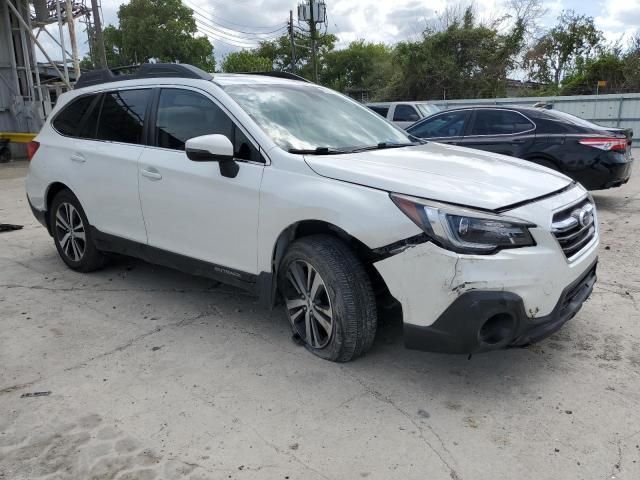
(122,116)
(499,122)
(68,120)
(568,118)
(90,123)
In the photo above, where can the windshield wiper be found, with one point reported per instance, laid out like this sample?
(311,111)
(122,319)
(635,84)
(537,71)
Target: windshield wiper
(382,145)
(316,151)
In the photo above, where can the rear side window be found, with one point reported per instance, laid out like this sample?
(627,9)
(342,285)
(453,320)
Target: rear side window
(405,113)
(68,120)
(89,124)
(450,124)
(383,111)
(122,116)
(499,122)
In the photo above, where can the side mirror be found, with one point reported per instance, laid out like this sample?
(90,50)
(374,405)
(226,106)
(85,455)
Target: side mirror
(213,148)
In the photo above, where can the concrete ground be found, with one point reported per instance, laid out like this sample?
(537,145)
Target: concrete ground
(157,374)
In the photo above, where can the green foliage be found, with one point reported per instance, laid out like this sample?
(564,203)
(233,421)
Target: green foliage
(557,51)
(360,66)
(279,52)
(465,59)
(608,66)
(459,57)
(159,30)
(618,68)
(246,61)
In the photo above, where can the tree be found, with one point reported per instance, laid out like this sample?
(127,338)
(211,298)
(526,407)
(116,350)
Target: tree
(608,65)
(246,61)
(159,30)
(279,52)
(464,59)
(557,51)
(632,65)
(362,65)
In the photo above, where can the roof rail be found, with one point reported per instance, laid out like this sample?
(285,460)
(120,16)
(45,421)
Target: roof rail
(146,70)
(288,75)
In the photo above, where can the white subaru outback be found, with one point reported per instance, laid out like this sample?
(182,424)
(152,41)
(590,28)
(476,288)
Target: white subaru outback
(295,192)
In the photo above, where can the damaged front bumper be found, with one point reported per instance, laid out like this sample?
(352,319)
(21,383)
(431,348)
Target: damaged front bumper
(480,321)
(475,303)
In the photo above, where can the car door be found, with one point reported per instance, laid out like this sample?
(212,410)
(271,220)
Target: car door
(189,207)
(502,131)
(405,115)
(445,127)
(105,156)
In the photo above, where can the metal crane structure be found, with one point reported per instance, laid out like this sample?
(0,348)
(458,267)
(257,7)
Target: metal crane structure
(29,88)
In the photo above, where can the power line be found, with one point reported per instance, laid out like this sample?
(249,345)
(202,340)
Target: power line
(229,41)
(215,40)
(232,36)
(241,42)
(210,16)
(248,43)
(232,32)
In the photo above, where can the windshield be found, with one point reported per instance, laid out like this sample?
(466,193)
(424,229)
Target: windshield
(305,117)
(427,109)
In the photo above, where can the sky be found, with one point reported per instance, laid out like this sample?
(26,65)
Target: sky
(232,25)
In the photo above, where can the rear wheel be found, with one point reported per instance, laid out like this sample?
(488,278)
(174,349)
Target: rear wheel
(328,298)
(72,235)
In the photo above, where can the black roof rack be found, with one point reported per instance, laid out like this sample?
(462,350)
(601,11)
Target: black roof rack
(146,70)
(288,75)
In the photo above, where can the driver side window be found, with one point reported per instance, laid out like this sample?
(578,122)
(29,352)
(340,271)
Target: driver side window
(184,114)
(444,125)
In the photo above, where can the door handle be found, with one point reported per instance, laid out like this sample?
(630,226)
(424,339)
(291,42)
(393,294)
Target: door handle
(78,158)
(153,174)
(518,140)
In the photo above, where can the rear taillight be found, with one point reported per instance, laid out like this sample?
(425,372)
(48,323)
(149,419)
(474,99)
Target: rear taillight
(606,144)
(32,148)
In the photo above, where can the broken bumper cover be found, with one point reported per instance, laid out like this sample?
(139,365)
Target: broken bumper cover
(480,321)
(519,294)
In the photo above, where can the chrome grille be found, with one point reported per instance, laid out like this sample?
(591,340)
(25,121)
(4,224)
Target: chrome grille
(574,227)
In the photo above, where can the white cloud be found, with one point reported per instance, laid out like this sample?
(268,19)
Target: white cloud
(619,19)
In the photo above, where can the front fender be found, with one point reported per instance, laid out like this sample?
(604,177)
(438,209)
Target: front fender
(289,197)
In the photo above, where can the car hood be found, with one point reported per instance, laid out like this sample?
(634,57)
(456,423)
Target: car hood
(445,173)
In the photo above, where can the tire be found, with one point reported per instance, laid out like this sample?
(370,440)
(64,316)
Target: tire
(344,300)
(78,251)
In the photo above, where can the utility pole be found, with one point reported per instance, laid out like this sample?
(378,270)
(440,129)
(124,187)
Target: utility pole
(314,54)
(97,23)
(313,12)
(72,36)
(61,36)
(292,39)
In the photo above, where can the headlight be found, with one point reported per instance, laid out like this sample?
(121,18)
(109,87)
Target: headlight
(465,230)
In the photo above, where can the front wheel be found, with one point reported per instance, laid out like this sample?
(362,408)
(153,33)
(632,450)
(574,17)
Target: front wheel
(328,298)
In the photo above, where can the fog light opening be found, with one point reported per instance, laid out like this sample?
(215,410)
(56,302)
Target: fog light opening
(496,329)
